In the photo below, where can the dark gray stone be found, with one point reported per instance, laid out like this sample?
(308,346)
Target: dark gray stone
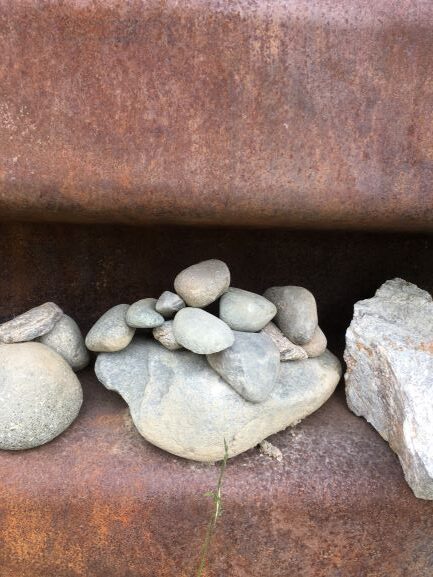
(142,315)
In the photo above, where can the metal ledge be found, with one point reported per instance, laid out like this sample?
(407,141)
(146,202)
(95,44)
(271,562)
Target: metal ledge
(297,113)
(99,501)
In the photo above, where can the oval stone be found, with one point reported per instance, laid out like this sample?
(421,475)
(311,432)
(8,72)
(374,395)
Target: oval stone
(111,332)
(201,332)
(296,312)
(169,304)
(40,395)
(317,345)
(245,311)
(142,315)
(201,284)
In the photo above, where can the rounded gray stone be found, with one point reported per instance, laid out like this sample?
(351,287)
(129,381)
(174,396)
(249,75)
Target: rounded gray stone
(296,312)
(65,338)
(201,332)
(169,304)
(179,403)
(40,395)
(245,311)
(317,345)
(111,332)
(142,315)
(251,365)
(164,335)
(201,284)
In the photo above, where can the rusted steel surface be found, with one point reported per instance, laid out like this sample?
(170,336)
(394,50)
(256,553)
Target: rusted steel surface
(101,502)
(301,113)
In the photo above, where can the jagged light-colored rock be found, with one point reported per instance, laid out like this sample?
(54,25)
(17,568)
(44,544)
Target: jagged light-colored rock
(66,339)
(200,332)
(169,304)
(317,345)
(251,365)
(296,312)
(40,395)
(288,350)
(201,284)
(111,332)
(142,315)
(164,335)
(245,311)
(31,324)
(183,406)
(389,379)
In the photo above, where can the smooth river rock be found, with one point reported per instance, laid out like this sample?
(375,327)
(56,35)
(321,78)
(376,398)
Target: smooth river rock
(389,378)
(40,395)
(251,365)
(164,335)
(142,315)
(111,332)
(169,304)
(179,403)
(317,345)
(201,284)
(66,339)
(245,311)
(296,312)
(31,324)
(288,350)
(200,332)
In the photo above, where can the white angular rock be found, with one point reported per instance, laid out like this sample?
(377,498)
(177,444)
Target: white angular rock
(142,315)
(183,406)
(66,339)
(31,324)
(201,284)
(288,350)
(389,378)
(296,312)
(245,311)
(40,395)
(317,345)
(169,304)
(164,335)
(111,332)
(200,332)
(251,365)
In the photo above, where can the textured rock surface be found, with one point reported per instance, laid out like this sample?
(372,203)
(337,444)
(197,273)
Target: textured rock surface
(288,350)
(110,333)
(142,315)
(40,395)
(201,332)
(201,284)
(169,304)
(296,312)
(31,324)
(389,379)
(251,365)
(186,408)
(317,345)
(164,335)
(66,339)
(245,311)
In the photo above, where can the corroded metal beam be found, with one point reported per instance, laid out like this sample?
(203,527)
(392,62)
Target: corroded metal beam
(300,113)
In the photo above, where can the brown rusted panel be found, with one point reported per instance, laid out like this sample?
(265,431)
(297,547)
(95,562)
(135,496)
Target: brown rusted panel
(301,113)
(101,502)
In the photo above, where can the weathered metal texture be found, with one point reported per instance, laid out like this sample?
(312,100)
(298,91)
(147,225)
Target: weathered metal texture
(101,502)
(302,113)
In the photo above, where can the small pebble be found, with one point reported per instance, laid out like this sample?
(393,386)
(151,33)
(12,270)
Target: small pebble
(201,284)
(288,350)
(317,345)
(169,304)
(66,339)
(164,335)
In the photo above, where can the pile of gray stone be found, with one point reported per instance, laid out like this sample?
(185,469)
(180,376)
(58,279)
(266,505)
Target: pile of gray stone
(39,392)
(193,379)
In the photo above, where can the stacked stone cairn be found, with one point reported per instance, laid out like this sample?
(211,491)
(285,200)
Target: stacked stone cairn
(39,392)
(193,379)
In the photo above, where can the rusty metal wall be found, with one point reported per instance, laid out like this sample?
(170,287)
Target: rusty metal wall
(301,113)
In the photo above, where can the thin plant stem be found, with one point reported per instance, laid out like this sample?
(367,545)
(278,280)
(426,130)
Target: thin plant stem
(217,499)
